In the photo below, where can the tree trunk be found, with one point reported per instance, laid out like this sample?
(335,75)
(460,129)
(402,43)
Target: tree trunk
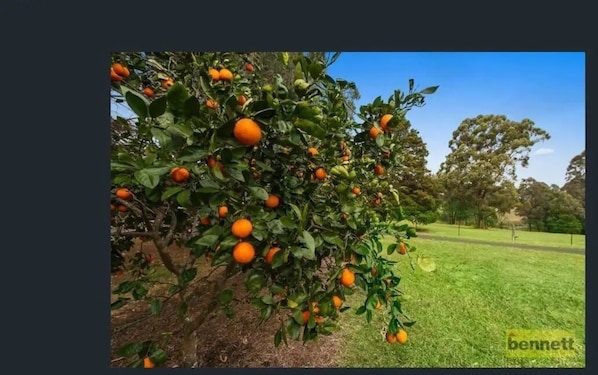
(480,220)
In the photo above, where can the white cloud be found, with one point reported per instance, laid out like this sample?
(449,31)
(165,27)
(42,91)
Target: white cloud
(544,151)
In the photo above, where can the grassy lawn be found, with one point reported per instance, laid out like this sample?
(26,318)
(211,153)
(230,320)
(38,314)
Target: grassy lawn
(464,307)
(504,235)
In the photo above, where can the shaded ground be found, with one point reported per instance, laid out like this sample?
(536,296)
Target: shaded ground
(223,342)
(426,236)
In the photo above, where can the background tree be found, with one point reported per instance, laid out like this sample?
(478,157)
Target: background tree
(485,151)
(575,183)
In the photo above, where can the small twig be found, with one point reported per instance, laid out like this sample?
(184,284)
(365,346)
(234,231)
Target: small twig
(118,359)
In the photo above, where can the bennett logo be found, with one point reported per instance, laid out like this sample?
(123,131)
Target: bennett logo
(539,343)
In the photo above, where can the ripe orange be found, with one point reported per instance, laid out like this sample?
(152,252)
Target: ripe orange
(212,104)
(249,67)
(319,319)
(247,132)
(390,338)
(225,74)
(124,193)
(272,202)
(337,301)
(214,74)
(384,121)
(347,152)
(321,173)
(312,151)
(123,208)
(114,77)
(166,83)
(205,221)
(379,170)
(402,336)
(402,249)
(380,195)
(242,100)
(147,363)
(356,190)
(347,277)
(179,174)
(148,92)
(211,162)
(315,308)
(243,253)
(120,70)
(305,316)
(374,132)
(345,158)
(376,201)
(222,211)
(270,254)
(241,228)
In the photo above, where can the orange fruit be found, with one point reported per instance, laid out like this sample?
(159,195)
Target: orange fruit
(321,173)
(249,67)
(212,104)
(379,170)
(166,83)
(114,77)
(147,363)
(312,151)
(179,174)
(376,201)
(402,249)
(386,154)
(345,158)
(347,277)
(270,254)
(337,301)
(356,190)
(123,208)
(241,228)
(243,253)
(390,338)
(347,152)
(242,100)
(402,336)
(148,92)
(247,132)
(305,316)
(214,74)
(205,220)
(384,121)
(124,193)
(225,75)
(319,319)
(222,211)
(315,308)
(272,202)
(211,162)
(380,195)
(120,70)
(343,144)
(374,132)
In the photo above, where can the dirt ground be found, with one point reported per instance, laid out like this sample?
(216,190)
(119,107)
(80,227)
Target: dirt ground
(223,342)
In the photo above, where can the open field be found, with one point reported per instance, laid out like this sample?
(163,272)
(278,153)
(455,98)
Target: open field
(504,235)
(464,307)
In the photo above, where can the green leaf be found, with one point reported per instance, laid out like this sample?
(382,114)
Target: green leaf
(360,310)
(139,292)
(158,356)
(309,241)
(207,240)
(130,350)
(170,192)
(301,252)
(278,338)
(187,275)
(163,138)
(196,156)
(158,107)
(225,297)
(259,192)
(117,304)
(351,222)
(137,103)
(183,198)
(182,129)
(380,140)
(236,174)
(150,177)
(310,128)
(254,283)
(391,248)
(429,90)
(124,287)
(268,300)
(156,306)
(191,107)
(426,264)
(288,222)
(177,95)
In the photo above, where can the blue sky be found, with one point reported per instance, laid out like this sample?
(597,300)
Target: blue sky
(546,87)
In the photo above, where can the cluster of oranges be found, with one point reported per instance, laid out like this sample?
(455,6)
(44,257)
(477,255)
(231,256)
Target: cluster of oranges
(118,72)
(400,337)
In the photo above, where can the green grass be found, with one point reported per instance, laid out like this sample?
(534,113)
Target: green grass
(465,306)
(504,235)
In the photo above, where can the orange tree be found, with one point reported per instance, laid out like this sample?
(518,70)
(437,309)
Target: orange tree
(278,183)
